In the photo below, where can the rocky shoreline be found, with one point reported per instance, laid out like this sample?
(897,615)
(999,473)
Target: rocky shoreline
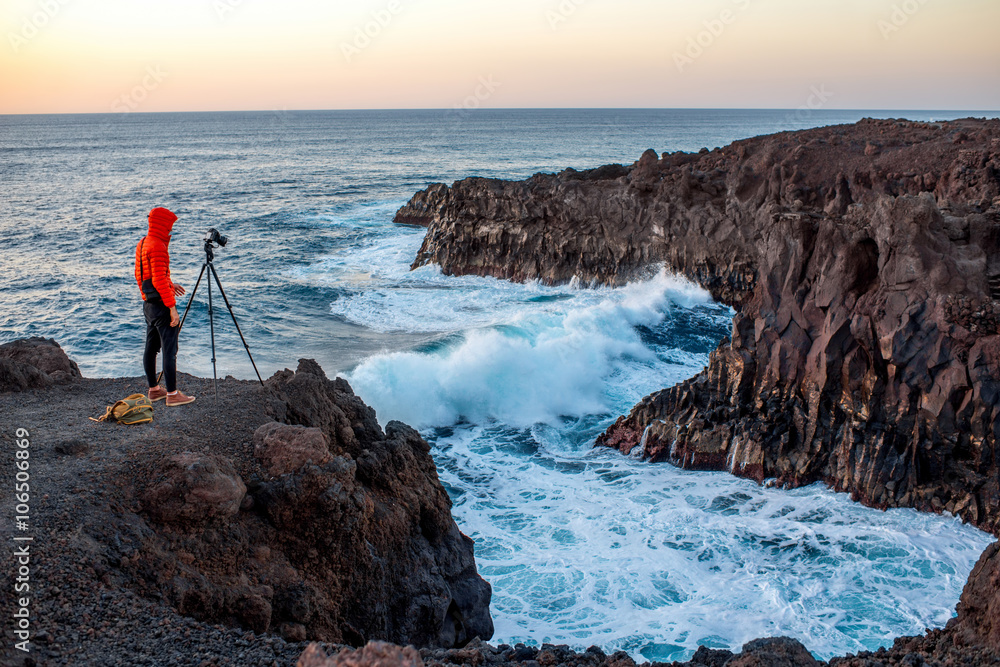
(864,265)
(232,533)
(284,526)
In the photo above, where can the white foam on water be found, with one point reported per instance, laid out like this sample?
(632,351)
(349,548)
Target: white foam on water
(548,361)
(587,546)
(384,295)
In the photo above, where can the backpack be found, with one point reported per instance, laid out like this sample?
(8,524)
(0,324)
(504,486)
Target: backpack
(135,409)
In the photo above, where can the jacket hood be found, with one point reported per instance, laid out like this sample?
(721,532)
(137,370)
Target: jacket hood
(161,221)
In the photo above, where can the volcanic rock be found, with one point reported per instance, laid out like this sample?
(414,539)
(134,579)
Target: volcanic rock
(346,534)
(978,620)
(282,448)
(323,527)
(31,363)
(194,489)
(373,654)
(865,349)
(774,652)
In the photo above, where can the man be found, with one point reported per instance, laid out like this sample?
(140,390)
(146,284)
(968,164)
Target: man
(152,274)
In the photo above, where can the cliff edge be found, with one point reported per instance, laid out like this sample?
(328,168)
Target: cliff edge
(864,265)
(242,527)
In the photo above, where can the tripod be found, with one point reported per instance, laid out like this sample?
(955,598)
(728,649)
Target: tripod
(210,267)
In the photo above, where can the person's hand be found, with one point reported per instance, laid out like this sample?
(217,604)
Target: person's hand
(175,319)
(178,290)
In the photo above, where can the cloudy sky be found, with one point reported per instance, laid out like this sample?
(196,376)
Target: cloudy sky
(188,55)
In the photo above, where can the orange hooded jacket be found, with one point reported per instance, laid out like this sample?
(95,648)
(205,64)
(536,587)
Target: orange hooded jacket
(152,261)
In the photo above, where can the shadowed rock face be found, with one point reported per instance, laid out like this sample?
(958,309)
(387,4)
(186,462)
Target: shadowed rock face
(32,363)
(193,490)
(346,544)
(282,508)
(378,511)
(864,265)
(282,448)
(978,620)
(374,654)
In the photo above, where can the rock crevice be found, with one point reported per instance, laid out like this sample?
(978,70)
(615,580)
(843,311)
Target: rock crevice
(863,264)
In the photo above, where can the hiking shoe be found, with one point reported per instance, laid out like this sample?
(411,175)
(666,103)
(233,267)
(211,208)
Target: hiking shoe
(179,399)
(157,394)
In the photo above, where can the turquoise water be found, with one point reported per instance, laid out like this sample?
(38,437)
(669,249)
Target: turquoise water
(510,383)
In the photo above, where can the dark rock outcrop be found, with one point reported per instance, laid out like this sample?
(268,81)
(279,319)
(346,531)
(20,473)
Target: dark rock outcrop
(32,363)
(283,509)
(282,448)
(373,654)
(864,265)
(191,490)
(978,620)
(935,648)
(774,652)
(345,532)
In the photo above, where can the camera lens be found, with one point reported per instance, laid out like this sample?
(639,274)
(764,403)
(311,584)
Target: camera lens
(213,236)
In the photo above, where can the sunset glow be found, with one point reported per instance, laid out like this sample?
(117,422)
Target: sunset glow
(98,55)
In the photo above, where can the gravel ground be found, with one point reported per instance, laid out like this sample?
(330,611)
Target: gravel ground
(79,616)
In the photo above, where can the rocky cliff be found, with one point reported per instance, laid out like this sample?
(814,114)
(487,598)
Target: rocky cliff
(972,638)
(282,510)
(864,265)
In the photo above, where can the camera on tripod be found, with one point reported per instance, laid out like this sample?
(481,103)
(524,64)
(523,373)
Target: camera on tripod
(212,236)
(213,239)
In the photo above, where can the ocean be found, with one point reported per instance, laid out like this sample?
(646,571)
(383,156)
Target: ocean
(509,383)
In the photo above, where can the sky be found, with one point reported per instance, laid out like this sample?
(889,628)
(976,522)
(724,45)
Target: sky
(70,56)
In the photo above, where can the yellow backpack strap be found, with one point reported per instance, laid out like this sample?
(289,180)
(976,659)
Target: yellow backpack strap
(125,407)
(105,417)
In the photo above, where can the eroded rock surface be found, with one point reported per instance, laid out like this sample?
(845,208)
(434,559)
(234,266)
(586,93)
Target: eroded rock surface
(937,648)
(373,654)
(191,490)
(32,363)
(978,620)
(864,265)
(282,448)
(283,509)
(345,535)
(773,652)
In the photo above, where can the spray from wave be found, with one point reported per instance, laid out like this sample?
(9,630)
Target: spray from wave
(548,361)
(585,546)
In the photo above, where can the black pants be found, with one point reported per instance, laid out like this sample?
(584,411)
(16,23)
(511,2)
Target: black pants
(160,335)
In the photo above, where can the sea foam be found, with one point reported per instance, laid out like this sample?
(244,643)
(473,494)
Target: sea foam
(551,357)
(587,546)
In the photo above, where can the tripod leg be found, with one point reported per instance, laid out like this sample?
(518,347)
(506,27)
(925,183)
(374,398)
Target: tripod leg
(191,298)
(211,326)
(231,314)
(188,308)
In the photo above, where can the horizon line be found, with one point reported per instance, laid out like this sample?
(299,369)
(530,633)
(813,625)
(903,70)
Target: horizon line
(488,109)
